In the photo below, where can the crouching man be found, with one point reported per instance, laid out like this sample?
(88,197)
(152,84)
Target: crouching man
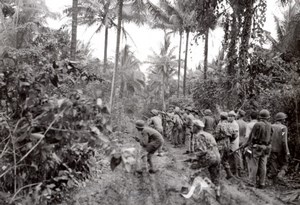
(208,156)
(151,140)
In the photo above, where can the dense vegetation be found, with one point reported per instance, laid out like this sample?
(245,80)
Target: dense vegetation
(53,117)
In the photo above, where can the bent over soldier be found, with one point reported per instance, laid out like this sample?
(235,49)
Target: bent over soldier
(151,140)
(208,156)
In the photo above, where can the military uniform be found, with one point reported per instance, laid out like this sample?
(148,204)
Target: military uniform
(278,161)
(177,129)
(260,145)
(189,131)
(234,159)
(151,140)
(222,137)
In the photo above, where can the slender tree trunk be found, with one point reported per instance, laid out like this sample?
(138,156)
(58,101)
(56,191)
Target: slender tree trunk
(179,63)
(185,61)
(105,49)
(163,91)
(246,32)
(74,29)
(232,51)
(206,52)
(113,82)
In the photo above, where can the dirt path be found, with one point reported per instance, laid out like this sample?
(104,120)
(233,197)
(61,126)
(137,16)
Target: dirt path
(163,188)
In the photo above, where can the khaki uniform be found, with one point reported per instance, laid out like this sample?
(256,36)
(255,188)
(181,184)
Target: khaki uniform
(177,129)
(234,159)
(278,161)
(151,141)
(209,124)
(208,155)
(222,137)
(156,123)
(260,145)
(189,131)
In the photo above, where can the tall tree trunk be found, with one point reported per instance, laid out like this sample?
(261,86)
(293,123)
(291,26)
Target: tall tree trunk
(179,63)
(105,49)
(246,32)
(185,61)
(163,91)
(113,82)
(74,29)
(232,51)
(206,52)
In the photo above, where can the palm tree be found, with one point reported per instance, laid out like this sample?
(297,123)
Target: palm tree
(132,79)
(163,67)
(74,29)
(113,82)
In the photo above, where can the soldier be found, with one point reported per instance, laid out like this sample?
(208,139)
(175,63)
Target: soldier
(151,140)
(260,146)
(177,128)
(208,156)
(234,159)
(209,121)
(242,134)
(222,136)
(188,122)
(278,161)
(156,123)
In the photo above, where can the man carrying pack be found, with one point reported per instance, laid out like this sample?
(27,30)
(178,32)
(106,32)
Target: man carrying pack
(259,143)
(209,121)
(188,122)
(151,140)
(222,137)
(278,161)
(156,123)
(208,156)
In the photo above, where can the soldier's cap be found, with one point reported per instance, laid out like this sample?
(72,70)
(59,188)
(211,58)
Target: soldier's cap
(264,114)
(139,124)
(231,114)
(189,108)
(198,123)
(177,110)
(242,113)
(280,116)
(224,114)
(207,112)
(154,112)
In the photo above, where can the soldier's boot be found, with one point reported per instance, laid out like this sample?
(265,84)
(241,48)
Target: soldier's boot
(229,174)
(151,169)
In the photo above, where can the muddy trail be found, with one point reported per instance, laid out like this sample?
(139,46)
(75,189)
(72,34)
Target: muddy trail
(164,187)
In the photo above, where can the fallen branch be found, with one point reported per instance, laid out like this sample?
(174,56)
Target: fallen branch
(26,186)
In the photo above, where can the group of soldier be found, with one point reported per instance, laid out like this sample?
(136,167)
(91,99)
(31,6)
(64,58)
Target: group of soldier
(230,142)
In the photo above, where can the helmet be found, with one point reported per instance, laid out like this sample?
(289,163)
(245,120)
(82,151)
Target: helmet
(280,116)
(198,123)
(139,124)
(177,110)
(231,114)
(242,113)
(207,112)
(264,114)
(189,108)
(154,112)
(224,114)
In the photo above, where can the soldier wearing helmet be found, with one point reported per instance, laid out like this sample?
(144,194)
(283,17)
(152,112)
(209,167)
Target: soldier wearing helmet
(177,128)
(156,123)
(151,140)
(278,160)
(188,124)
(207,153)
(209,121)
(260,146)
(222,136)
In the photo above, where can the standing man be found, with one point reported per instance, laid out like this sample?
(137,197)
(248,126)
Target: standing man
(208,156)
(188,122)
(234,158)
(177,128)
(222,137)
(156,123)
(280,151)
(260,146)
(151,140)
(209,121)
(242,133)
